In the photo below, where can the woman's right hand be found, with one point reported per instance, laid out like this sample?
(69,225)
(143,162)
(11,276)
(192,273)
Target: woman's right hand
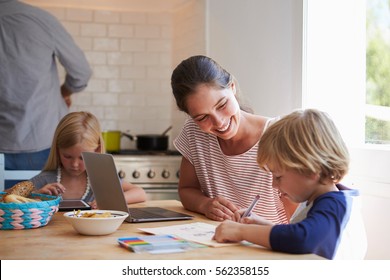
(55,189)
(219,209)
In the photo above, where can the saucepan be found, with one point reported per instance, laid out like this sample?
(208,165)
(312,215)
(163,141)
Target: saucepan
(149,142)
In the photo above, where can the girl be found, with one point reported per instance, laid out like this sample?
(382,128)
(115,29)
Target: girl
(307,157)
(219,142)
(64,173)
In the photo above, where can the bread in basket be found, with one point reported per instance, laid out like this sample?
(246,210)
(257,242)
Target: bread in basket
(29,210)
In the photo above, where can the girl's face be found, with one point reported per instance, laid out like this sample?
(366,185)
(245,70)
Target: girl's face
(295,186)
(71,159)
(216,111)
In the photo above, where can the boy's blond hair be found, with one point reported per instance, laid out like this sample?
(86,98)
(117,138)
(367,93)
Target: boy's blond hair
(75,128)
(306,141)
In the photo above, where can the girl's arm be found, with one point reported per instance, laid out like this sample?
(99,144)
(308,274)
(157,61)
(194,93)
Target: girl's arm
(52,189)
(133,193)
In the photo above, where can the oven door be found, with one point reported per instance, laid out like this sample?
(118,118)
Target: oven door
(160,191)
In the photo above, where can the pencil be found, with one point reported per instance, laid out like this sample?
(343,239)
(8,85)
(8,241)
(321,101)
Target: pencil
(250,208)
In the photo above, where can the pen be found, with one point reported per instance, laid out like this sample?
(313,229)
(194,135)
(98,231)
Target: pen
(250,208)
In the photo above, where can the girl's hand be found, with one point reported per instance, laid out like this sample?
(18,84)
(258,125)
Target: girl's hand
(220,209)
(52,189)
(93,204)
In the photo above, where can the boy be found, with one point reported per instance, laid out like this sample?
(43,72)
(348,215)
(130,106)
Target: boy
(307,157)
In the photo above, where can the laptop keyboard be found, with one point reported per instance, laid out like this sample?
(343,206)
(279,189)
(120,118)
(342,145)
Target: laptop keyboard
(140,213)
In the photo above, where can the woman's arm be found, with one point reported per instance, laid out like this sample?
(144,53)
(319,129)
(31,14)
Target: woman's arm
(195,200)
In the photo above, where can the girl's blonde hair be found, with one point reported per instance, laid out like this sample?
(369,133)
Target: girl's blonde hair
(306,141)
(75,128)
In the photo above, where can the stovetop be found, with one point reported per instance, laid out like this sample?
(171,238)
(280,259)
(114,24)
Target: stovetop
(146,152)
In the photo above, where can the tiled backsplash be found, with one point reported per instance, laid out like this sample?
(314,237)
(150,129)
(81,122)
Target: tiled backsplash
(132,55)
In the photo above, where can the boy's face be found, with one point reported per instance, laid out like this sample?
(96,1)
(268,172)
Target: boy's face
(295,186)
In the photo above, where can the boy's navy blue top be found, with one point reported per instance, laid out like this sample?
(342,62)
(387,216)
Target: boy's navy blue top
(320,232)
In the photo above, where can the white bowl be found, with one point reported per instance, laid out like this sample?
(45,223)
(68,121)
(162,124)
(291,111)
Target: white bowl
(96,226)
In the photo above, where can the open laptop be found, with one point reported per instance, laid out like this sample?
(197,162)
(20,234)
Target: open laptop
(108,192)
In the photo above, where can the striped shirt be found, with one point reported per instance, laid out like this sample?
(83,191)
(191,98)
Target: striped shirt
(237,178)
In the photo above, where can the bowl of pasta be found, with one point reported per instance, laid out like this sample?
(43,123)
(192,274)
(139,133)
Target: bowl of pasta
(95,222)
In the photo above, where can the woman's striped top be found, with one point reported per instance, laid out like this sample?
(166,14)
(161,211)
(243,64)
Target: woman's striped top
(237,178)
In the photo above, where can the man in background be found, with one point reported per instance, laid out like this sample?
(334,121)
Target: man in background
(32,100)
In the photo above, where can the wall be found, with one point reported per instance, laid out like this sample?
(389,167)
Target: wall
(130,52)
(132,47)
(189,38)
(264,51)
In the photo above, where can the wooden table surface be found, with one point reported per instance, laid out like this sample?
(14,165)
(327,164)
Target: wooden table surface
(59,241)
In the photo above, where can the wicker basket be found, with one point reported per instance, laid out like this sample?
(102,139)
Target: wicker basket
(28,215)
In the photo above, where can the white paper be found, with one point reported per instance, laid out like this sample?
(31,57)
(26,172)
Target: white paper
(196,232)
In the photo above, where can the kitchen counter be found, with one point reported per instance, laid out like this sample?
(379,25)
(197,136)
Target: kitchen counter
(59,241)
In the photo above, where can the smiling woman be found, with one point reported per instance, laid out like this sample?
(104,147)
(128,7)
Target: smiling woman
(219,142)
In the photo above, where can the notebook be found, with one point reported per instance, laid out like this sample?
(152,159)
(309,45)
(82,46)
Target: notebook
(106,186)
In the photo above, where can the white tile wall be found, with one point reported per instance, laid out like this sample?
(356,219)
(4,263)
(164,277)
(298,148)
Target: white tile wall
(189,39)
(132,55)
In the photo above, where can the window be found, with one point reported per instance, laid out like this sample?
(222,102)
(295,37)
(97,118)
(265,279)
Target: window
(378,72)
(334,80)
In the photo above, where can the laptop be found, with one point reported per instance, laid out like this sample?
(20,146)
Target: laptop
(106,186)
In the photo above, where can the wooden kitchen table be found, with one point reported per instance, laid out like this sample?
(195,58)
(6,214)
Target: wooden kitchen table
(59,241)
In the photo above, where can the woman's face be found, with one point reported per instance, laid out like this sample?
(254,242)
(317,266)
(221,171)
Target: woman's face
(71,159)
(216,111)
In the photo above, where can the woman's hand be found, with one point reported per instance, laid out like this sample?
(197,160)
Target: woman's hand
(52,189)
(219,209)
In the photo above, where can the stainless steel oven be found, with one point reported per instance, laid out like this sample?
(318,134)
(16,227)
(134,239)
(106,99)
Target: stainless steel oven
(155,171)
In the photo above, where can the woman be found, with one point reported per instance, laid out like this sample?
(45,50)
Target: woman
(219,173)
(64,173)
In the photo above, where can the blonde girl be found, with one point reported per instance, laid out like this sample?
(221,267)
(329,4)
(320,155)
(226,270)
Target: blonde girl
(64,173)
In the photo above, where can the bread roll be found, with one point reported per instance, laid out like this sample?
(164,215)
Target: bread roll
(23,188)
(8,198)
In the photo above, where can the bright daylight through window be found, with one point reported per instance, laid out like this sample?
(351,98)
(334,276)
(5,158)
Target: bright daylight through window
(377,129)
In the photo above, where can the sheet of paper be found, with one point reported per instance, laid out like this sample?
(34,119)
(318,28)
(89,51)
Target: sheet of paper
(196,232)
